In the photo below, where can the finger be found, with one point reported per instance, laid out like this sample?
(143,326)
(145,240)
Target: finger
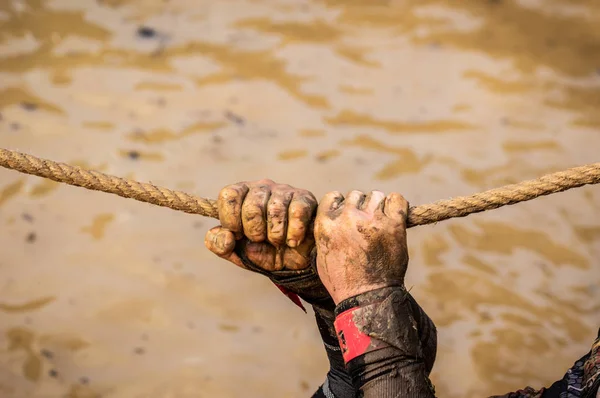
(263,255)
(300,214)
(396,207)
(277,215)
(372,201)
(254,208)
(330,203)
(229,205)
(355,199)
(222,242)
(294,260)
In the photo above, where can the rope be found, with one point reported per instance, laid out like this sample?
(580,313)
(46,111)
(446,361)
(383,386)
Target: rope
(417,215)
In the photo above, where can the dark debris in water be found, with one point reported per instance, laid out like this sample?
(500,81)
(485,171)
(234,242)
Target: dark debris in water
(31,237)
(232,117)
(146,32)
(47,353)
(29,106)
(133,155)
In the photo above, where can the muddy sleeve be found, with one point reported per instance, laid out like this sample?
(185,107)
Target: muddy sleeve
(338,383)
(388,344)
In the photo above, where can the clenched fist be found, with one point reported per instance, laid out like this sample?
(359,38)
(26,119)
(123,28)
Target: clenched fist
(361,242)
(264,227)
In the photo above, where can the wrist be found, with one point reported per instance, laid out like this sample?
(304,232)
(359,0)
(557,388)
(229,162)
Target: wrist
(341,295)
(354,318)
(367,297)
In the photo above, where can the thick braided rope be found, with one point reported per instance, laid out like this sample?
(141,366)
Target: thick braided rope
(417,215)
(462,206)
(98,181)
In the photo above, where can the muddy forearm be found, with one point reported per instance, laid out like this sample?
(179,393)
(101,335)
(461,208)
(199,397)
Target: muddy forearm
(388,343)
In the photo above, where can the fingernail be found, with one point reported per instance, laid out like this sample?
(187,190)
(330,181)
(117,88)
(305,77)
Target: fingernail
(292,243)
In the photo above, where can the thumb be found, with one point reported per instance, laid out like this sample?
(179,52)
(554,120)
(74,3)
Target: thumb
(221,242)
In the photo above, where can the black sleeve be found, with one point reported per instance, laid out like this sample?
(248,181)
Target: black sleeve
(338,383)
(400,347)
(307,285)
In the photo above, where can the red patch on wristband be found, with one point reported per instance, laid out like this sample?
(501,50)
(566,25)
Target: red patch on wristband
(353,342)
(292,296)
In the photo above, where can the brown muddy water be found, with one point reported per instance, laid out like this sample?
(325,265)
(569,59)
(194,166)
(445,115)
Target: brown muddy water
(101,296)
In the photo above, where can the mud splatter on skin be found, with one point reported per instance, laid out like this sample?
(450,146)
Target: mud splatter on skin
(380,258)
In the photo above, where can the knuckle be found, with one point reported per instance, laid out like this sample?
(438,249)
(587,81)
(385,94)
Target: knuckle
(251,212)
(299,210)
(276,212)
(306,195)
(265,181)
(396,196)
(229,193)
(277,229)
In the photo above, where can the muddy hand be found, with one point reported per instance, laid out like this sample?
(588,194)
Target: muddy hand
(266,223)
(361,242)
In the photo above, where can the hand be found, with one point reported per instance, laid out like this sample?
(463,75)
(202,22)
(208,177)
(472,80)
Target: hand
(266,224)
(361,242)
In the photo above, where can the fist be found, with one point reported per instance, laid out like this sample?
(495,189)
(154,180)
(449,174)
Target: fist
(266,224)
(361,242)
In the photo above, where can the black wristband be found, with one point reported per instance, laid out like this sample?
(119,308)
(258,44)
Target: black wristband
(371,297)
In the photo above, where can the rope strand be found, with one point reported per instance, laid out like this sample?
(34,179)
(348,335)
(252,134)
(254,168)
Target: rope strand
(460,206)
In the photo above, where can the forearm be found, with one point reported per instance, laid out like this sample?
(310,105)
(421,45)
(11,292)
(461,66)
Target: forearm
(338,382)
(388,343)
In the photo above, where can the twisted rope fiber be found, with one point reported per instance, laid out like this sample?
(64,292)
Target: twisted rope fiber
(417,215)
